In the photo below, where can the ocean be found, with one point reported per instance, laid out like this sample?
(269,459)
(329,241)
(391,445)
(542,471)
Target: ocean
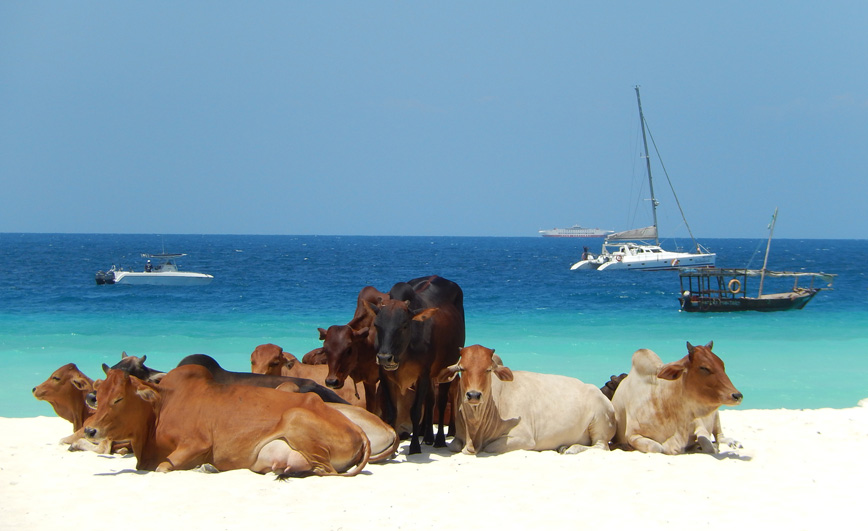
(520,298)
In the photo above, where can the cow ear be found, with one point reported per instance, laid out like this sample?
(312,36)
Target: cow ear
(322,334)
(448,374)
(105,368)
(80,383)
(371,308)
(144,390)
(425,314)
(503,374)
(361,333)
(289,361)
(672,371)
(97,383)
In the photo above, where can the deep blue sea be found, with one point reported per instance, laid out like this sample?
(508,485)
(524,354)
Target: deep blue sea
(520,298)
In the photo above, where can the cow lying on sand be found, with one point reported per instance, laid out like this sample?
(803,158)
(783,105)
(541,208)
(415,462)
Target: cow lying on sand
(273,360)
(66,390)
(672,408)
(518,410)
(189,420)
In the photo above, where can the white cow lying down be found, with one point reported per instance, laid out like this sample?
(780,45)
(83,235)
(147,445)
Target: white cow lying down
(521,410)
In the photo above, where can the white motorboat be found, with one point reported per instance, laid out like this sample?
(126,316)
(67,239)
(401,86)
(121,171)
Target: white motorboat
(631,249)
(164,273)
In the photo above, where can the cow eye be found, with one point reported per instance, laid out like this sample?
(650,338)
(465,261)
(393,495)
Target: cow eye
(117,400)
(705,370)
(56,378)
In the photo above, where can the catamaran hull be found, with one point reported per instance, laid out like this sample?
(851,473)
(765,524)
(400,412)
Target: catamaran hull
(671,261)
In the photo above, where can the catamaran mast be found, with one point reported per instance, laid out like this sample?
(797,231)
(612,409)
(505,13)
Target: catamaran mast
(654,202)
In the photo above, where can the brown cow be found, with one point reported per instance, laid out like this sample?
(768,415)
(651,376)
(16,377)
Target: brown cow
(273,360)
(670,408)
(188,420)
(350,349)
(66,390)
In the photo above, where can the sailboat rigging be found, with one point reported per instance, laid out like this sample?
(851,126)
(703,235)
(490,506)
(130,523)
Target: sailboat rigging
(629,249)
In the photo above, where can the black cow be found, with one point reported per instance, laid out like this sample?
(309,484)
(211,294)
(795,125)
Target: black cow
(420,330)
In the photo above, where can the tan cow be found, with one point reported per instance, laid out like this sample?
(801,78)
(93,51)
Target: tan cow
(670,408)
(499,410)
(272,359)
(188,420)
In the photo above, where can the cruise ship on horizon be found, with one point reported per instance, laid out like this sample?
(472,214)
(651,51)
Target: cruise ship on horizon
(575,231)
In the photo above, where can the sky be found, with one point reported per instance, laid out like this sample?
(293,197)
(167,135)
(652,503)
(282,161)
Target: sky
(470,118)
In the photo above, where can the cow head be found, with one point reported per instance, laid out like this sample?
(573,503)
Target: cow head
(393,323)
(125,405)
(135,366)
(703,376)
(65,390)
(476,365)
(267,359)
(340,348)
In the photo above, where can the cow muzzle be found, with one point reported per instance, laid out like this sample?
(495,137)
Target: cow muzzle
(90,432)
(387,361)
(473,397)
(334,383)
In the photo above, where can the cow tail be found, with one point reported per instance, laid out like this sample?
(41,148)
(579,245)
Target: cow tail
(365,455)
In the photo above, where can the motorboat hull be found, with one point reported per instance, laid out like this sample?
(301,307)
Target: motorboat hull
(175,278)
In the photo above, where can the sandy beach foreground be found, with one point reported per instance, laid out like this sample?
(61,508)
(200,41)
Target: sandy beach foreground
(797,469)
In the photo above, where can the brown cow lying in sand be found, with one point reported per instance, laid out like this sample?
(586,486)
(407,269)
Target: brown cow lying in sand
(499,410)
(672,408)
(66,390)
(189,420)
(273,360)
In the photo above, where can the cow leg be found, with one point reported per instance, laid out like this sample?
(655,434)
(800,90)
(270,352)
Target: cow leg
(442,404)
(422,387)
(428,417)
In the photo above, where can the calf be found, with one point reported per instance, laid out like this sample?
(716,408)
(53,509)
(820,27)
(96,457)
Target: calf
(673,407)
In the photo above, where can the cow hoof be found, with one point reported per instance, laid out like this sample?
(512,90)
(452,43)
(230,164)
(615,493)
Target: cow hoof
(207,468)
(440,442)
(415,448)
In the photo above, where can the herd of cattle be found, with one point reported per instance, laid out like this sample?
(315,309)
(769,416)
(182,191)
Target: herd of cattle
(398,367)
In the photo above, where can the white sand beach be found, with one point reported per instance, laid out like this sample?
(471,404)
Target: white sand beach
(797,469)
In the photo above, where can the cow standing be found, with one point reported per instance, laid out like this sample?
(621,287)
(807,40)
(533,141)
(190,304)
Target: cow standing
(499,410)
(350,350)
(670,408)
(420,330)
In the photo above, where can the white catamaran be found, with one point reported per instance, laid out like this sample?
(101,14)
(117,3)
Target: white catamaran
(631,249)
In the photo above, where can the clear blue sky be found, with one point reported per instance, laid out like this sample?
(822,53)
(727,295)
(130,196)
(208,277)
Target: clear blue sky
(491,118)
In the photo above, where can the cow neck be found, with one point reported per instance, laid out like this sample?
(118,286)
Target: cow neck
(689,407)
(144,443)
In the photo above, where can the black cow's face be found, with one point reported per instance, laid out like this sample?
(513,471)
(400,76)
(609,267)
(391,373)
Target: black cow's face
(393,324)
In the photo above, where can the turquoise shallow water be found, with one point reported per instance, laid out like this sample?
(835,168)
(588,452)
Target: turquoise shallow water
(520,298)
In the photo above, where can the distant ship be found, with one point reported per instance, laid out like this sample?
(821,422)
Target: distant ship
(575,232)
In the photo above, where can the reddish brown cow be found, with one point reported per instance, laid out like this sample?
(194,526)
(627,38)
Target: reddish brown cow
(670,408)
(273,360)
(66,390)
(350,349)
(188,420)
